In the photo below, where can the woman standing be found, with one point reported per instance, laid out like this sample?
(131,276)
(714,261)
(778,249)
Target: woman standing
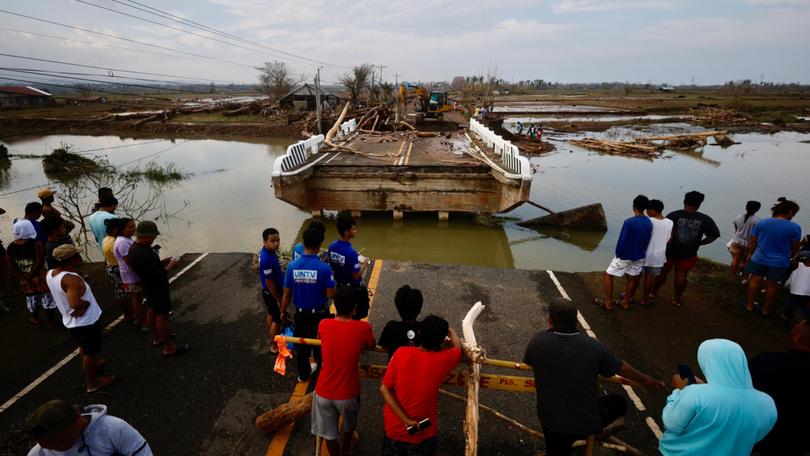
(113,227)
(738,245)
(132,284)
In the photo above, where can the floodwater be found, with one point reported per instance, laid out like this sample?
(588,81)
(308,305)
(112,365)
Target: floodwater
(527,120)
(228,199)
(534,106)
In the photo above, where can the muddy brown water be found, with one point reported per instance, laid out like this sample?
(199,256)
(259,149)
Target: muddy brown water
(228,200)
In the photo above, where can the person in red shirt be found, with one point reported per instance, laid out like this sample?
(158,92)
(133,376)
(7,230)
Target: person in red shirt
(338,390)
(410,389)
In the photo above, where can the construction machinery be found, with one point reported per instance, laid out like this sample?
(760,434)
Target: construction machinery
(429,104)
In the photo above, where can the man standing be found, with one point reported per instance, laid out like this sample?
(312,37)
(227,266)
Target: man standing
(337,393)
(33,212)
(106,210)
(657,249)
(631,249)
(154,275)
(691,229)
(410,389)
(46,195)
(342,257)
(80,312)
(566,367)
(784,376)
(272,282)
(60,429)
(309,285)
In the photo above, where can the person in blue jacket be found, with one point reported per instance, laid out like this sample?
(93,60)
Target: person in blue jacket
(723,416)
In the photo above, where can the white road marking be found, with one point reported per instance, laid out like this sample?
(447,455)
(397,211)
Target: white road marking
(75,352)
(332,158)
(627,388)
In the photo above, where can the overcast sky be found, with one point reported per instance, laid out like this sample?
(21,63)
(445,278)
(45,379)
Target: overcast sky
(663,41)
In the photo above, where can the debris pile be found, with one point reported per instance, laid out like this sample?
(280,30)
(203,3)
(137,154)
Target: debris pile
(653,146)
(716,115)
(62,162)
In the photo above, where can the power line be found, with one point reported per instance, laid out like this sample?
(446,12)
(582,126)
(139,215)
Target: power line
(188,22)
(124,84)
(49,84)
(73,27)
(73,73)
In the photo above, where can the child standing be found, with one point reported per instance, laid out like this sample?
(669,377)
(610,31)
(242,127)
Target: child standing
(272,282)
(738,245)
(799,288)
(403,333)
(26,262)
(657,248)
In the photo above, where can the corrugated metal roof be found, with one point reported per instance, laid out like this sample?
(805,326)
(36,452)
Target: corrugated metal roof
(30,91)
(306,89)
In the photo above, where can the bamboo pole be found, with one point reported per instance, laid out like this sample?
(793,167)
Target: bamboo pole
(332,131)
(473,380)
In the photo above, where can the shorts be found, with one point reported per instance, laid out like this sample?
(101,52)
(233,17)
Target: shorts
(654,271)
(160,303)
(773,274)
(737,249)
(393,447)
(272,305)
(681,264)
(88,337)
(114,274)
(325,414)
(132,288)
(619,267)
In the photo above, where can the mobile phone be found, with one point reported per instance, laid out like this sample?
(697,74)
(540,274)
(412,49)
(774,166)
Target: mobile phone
(685,372)
(420,426)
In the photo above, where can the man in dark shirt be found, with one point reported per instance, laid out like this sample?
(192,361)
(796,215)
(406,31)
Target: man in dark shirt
(154,275)
(403,333)
(785,377)
(690,230)
(566,367)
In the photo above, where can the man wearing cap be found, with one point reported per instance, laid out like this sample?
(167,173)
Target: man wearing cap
(106,210)
(80,311)
(46,195)
(566,367)
(62,429)
(154,275)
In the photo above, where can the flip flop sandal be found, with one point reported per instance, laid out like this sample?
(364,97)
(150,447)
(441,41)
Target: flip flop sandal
(602,304)
(676,303)
(158,343)
(103,384)
(179,350)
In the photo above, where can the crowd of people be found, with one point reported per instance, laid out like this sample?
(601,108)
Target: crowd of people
(734,408)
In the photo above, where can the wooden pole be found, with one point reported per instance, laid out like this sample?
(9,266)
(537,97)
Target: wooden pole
(332,131)
(318,97)
(473,380)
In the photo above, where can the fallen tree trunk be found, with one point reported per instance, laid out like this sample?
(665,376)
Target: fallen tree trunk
(281,416)
(333,131)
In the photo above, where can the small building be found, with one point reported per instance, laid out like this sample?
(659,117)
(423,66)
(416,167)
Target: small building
(303,98)
(86,100)
(666,88)
(24,97)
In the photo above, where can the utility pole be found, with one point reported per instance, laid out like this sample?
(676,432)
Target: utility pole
(399,102)
(318,97)
(381,81)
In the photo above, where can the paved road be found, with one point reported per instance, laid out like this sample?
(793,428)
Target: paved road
(205,402)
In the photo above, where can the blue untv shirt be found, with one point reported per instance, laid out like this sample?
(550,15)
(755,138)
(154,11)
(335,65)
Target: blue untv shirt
(774,241)
(344,261)
(634,238)
(308,277)
(269,268)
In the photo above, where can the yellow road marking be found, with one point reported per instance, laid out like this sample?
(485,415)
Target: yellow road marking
(408,155)
(279,442)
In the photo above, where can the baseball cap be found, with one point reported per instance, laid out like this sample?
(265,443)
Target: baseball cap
(66,252)
(24,229)
(45,192)
(51,417)
(146,228)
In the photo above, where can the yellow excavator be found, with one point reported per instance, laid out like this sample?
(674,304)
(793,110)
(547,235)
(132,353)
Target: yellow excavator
(431,104)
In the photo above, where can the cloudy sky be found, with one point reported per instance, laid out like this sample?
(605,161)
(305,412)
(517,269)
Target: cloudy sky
(663,41)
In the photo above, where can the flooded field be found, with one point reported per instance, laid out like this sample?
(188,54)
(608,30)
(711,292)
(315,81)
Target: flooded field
(227,200)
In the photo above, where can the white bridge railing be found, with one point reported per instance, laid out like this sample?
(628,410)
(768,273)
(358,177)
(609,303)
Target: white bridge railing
(348,127)
(510,154)
(297,154)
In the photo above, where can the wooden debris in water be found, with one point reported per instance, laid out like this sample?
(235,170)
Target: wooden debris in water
(631,148)
(653,146)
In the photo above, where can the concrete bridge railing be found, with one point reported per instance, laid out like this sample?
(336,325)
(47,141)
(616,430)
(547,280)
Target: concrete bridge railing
(348,127)
(297,154)
(517,166)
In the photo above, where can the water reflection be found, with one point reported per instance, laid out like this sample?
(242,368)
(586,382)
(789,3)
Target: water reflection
(587,240)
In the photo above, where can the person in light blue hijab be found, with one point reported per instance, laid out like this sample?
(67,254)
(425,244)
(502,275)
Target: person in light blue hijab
(724,415)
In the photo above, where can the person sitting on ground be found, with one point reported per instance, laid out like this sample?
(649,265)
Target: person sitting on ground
(343,258)
(631,249)
(691,229)
(25,259)
(80,312)
(309,285)
(656,250)
(298,250)
(410,389)
(405,333)
(723,416)
(784,376)
(567,365)
(154,274)
(774,241)
(131,281)
(272,282)
(799,288)
(738,245)
(114,227)
(337,393)
(55,230)
(46,195)
(62,429)
(106,210)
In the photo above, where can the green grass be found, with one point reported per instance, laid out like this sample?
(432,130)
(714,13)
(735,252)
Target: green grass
(157,173)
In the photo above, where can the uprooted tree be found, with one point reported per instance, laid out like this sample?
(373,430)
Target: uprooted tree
(357,80)
(276,78)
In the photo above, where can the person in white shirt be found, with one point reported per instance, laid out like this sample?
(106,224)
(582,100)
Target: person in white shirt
(656,249)
(80,312)
(738,245)
(799,288)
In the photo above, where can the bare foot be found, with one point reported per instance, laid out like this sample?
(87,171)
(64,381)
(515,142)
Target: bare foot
(101,382)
